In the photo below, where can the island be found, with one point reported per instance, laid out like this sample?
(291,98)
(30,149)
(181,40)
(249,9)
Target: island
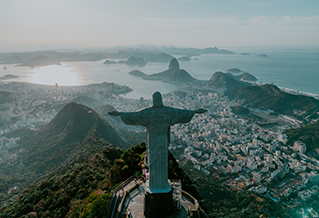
(185,58)
(109,62)
(137,73)
(262,56)
(8,76)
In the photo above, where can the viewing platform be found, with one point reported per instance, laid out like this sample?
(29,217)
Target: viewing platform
(129,198)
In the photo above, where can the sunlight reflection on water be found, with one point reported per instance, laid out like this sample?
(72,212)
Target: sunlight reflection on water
(50,75)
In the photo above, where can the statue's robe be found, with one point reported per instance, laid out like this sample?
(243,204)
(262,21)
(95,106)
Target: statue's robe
(157,122)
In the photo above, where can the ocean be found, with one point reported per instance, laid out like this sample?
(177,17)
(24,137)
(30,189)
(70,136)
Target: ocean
(297,70)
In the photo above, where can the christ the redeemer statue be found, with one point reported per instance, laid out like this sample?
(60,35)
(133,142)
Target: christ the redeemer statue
(157,120)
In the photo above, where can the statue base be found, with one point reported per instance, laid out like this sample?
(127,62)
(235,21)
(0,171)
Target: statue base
(158,205)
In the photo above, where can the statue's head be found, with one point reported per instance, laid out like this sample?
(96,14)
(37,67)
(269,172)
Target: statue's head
(157,99)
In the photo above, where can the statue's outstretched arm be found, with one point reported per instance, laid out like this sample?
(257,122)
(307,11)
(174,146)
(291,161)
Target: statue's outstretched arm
(200,111)
(114,113)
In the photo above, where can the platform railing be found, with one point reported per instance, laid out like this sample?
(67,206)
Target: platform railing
(115,198)
(197,211)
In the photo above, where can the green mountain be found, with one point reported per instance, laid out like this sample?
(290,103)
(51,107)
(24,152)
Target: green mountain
(76,133)
(309,134)
(219,78)
(64,135)
(271,97)
(55,195)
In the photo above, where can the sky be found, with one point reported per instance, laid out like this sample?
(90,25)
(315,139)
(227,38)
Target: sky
(187,23)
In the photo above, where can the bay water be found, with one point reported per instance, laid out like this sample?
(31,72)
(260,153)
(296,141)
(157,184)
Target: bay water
(298,70)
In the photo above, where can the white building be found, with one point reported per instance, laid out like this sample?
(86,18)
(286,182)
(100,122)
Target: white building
(256,177)
(299,147)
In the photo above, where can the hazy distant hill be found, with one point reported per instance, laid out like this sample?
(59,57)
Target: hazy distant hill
(132,61)
(271,97)
(41,58)
(156,54)
(74,134)
(231,82)
(160,57)
(244,76)
(172,74)
(195,51)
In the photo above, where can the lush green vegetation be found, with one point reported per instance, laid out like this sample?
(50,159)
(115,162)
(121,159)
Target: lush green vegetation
(271,97)
(239,110)
(76,133)
(309,134)
(84,190)
(130,164)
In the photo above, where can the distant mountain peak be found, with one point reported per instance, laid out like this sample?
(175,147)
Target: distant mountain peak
(72,114)
(76,127)
(173,64)
(172,74)
(219,78)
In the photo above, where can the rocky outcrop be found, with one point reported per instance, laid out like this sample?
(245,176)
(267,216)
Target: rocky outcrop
(173,74)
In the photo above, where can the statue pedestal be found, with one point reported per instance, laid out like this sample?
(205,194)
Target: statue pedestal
(158,204)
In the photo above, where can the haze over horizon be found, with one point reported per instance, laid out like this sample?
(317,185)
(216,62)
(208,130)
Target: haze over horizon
(187,23)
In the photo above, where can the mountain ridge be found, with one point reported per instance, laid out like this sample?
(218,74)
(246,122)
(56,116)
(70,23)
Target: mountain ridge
(232,82)
(75,133)
(271,97)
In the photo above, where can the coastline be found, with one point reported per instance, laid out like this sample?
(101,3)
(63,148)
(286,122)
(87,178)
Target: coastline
(287,90)
(125,94)
(296,92)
